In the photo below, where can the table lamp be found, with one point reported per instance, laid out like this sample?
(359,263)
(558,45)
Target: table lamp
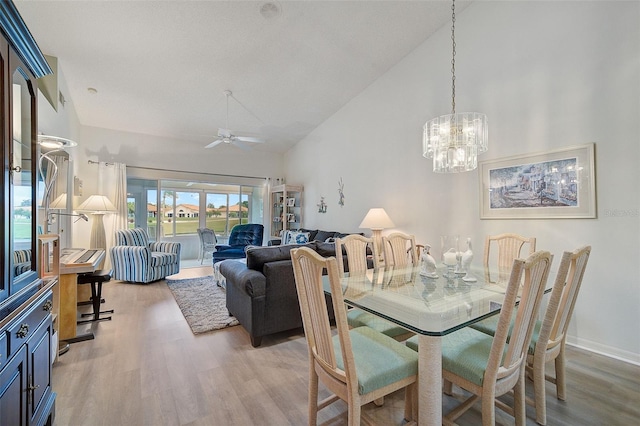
(377,219)
(98,205)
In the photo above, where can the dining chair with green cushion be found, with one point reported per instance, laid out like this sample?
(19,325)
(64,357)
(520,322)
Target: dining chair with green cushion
(509,247)
(490,366)
(357,365)
(399,249)
(355,246)
(550,333)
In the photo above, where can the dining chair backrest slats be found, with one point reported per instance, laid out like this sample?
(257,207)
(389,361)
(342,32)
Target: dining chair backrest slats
(536,271)
(355,247)
(314,311)
(399,249)
(509,247)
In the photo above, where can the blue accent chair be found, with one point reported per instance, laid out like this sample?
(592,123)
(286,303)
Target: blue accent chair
(135,259)
(241,236)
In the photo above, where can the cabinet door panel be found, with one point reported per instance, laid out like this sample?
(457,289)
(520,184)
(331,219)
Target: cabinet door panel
(13,403)
(40,367)
(22,175)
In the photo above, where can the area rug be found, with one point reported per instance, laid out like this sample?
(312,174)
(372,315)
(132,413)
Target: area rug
(202,303)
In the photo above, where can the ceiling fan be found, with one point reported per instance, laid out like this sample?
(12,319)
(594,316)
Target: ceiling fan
(225,135)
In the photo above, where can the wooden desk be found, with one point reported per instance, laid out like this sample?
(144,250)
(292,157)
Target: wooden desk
(68,297)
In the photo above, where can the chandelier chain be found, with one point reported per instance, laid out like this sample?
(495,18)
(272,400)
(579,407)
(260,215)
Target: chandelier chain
(227,122)
(453,58)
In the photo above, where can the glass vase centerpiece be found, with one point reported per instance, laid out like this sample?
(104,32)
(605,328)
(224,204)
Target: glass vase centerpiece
(450,253)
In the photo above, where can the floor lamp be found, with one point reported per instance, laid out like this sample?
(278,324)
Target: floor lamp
(98,205)
(377,219)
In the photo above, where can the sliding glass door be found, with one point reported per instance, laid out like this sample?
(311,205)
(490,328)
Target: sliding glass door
(173,210)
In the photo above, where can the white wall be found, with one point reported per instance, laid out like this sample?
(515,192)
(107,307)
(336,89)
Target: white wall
(548,75)
(139,150)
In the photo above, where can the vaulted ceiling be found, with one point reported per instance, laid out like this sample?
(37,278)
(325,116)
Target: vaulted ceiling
(161,67)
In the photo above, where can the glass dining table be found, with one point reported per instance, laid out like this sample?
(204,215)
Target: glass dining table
(431,308)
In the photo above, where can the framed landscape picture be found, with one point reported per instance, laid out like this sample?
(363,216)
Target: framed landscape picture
(547,185)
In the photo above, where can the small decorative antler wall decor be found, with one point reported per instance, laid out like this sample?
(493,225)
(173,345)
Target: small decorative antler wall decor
(322,206)
(341,192)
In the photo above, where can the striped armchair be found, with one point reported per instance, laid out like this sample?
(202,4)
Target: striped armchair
(21,261)
(135,259)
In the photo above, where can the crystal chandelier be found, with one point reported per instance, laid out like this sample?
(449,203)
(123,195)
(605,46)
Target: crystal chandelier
(455,140)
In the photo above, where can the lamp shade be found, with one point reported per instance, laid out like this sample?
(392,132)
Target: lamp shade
(60,203)
(96,204)
(377,218)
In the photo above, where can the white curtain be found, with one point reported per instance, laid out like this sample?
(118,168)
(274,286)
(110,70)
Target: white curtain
(112,178)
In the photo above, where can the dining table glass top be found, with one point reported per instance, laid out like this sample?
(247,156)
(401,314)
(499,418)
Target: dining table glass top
(428,306)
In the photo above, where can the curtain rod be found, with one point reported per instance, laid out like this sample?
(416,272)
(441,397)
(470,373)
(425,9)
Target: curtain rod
(200,173)
(97,162)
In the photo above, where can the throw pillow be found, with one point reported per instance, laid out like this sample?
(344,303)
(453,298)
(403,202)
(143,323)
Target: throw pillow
(323,235)
(312,233)
(295,237)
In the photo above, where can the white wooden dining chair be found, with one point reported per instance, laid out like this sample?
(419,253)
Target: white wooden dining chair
(399,249)
(419,250)
(550,333)
(357,365)
(489,366)
(355,247)
(508,247)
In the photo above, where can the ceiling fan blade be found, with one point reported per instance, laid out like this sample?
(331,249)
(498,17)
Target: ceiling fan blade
(249,139)
(214,143)
(224,133)
(240,144)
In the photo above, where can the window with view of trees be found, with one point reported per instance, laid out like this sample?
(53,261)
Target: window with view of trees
(168,208)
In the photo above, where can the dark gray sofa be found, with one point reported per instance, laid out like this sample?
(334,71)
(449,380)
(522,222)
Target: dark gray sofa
(315,235)
(262,294)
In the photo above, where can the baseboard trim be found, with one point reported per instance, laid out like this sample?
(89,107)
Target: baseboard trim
(608,351)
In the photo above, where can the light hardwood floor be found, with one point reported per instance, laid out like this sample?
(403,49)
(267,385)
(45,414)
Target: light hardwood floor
(145,367)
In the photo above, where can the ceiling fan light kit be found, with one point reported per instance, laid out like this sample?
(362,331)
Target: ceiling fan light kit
(226,136)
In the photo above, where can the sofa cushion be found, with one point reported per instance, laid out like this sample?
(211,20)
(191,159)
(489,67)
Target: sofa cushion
(161,259)
(246,234)
(235,252)
(312,233)
(325,249)
(258,256)
(341,235)
(21,256)
(132,237)
(323,235)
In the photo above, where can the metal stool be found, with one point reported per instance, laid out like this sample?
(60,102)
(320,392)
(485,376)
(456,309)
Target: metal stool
(95,278)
